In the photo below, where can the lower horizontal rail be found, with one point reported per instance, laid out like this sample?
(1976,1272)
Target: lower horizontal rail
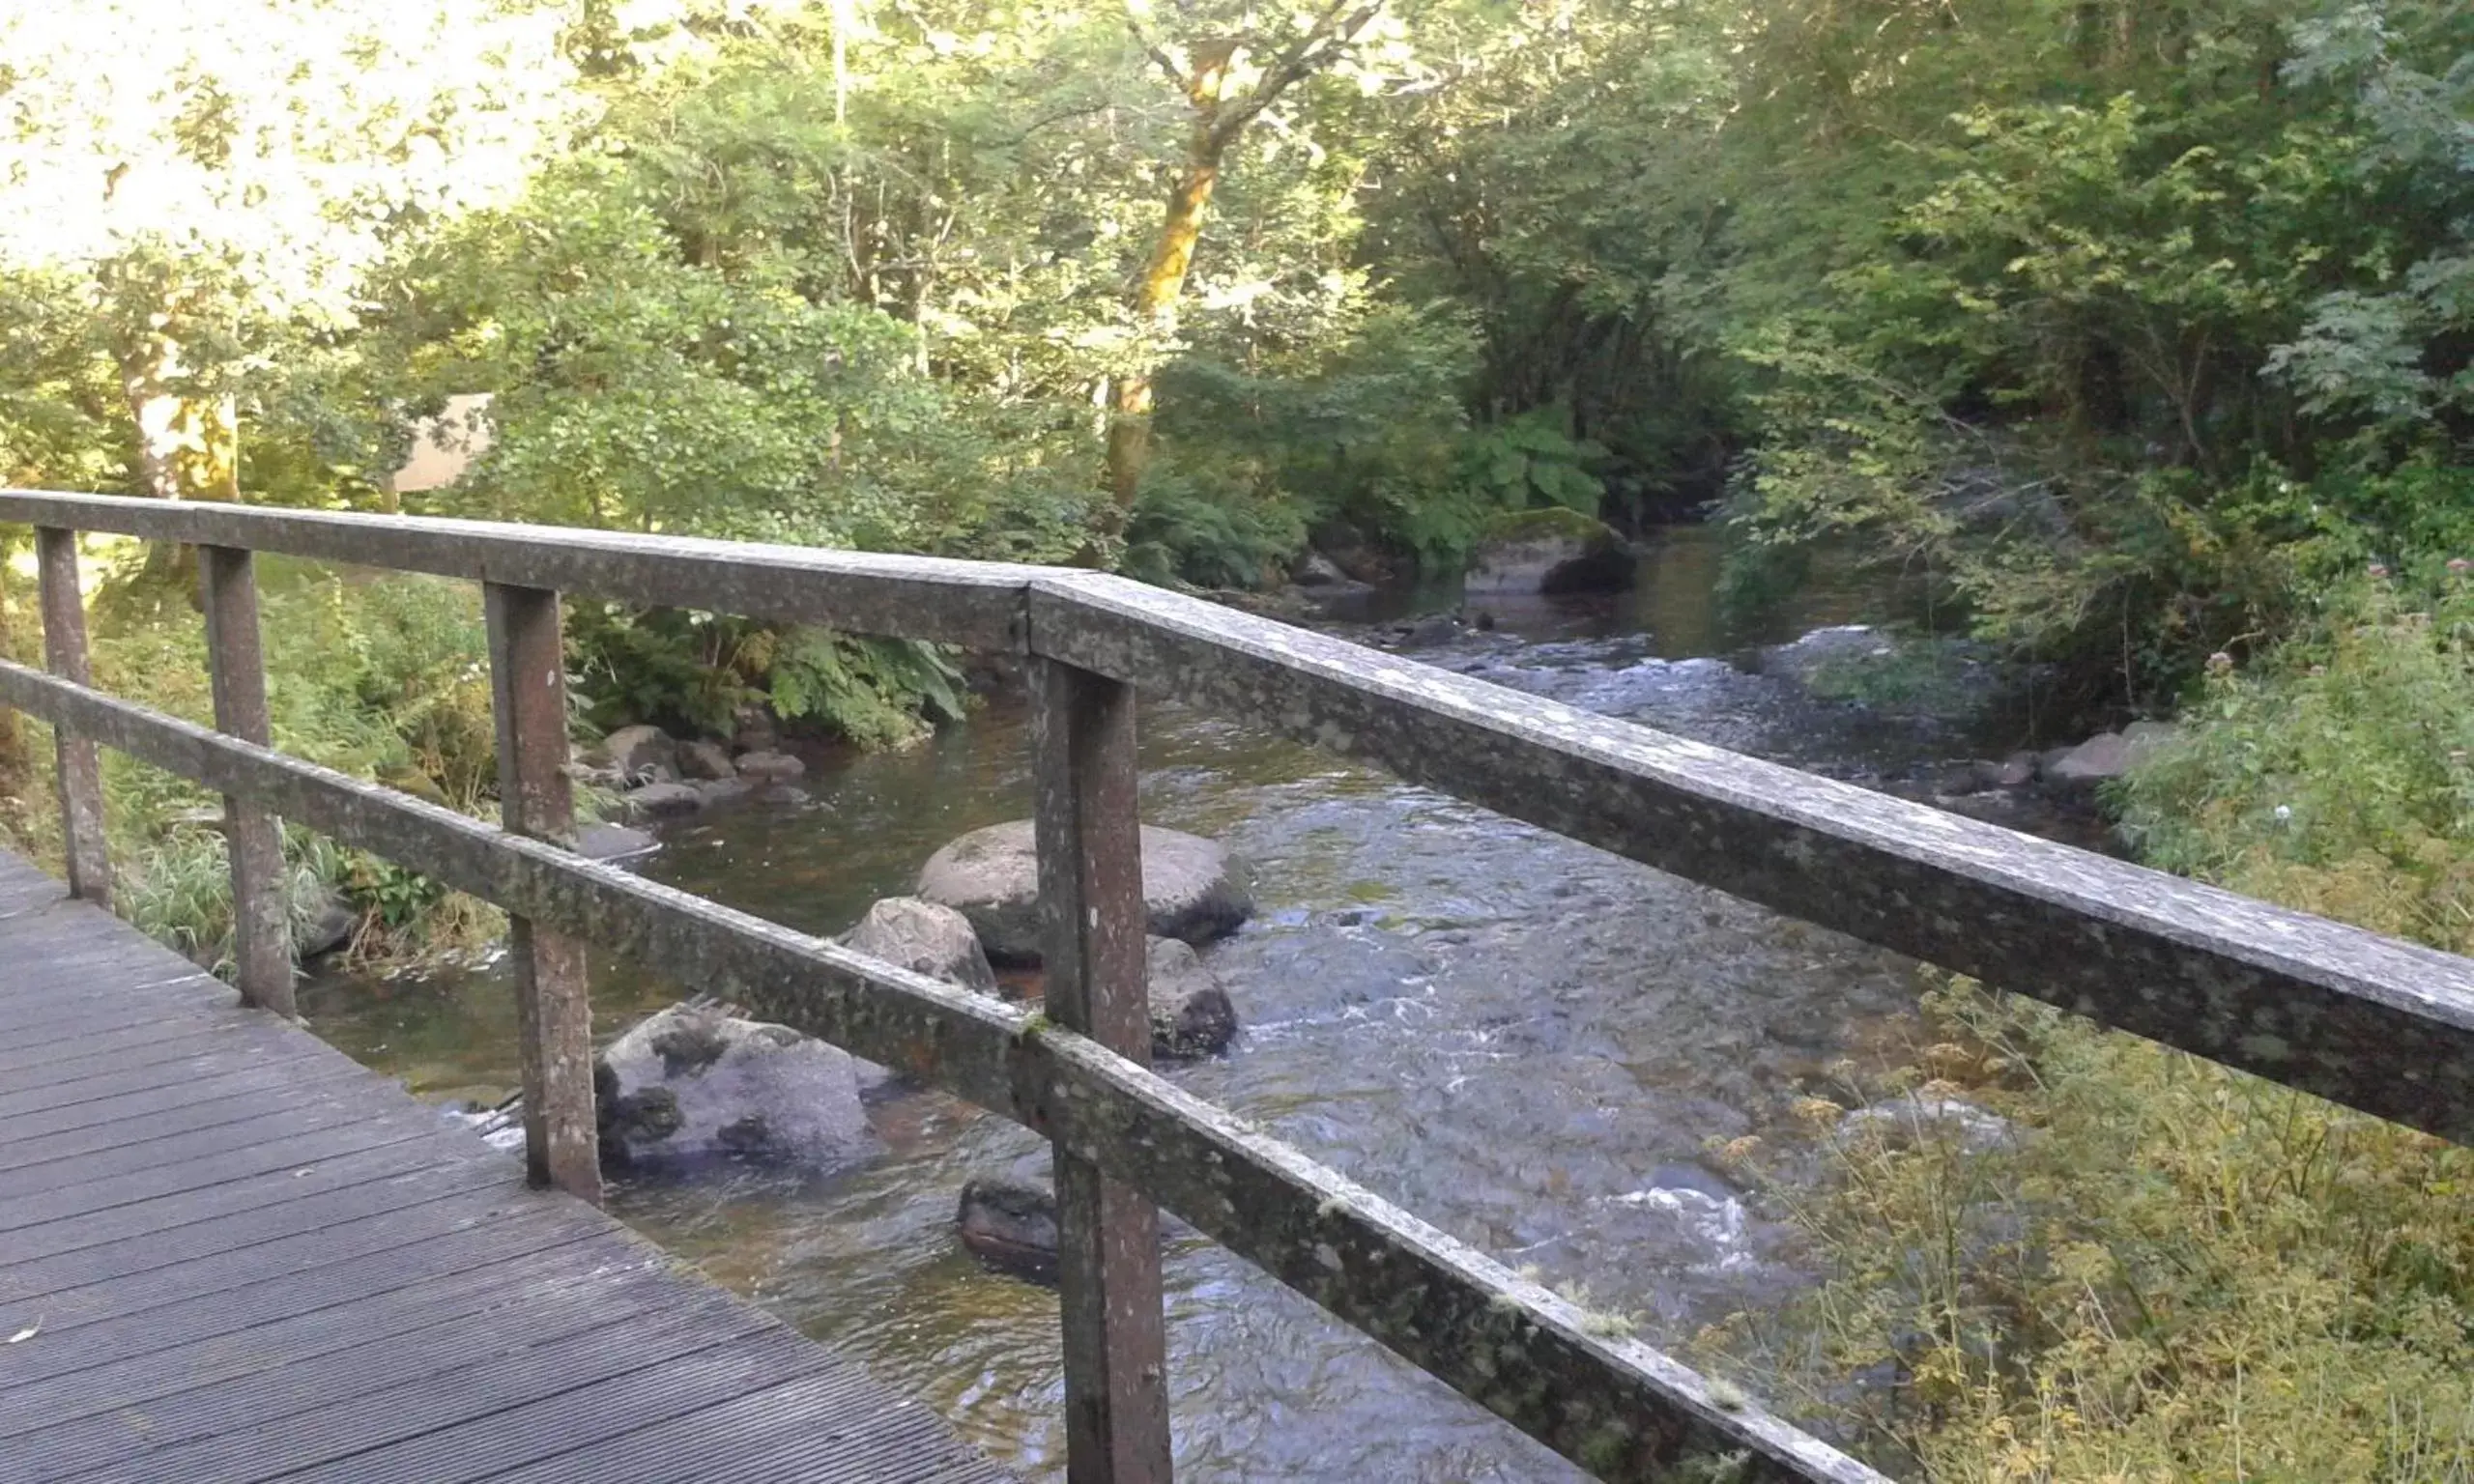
(1618,1408)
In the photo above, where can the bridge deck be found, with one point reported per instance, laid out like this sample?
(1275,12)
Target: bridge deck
(228,1252)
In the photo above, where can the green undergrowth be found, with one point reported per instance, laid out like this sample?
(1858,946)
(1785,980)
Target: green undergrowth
(2336,774)
(694,671)
(2174,1271)
(387,678)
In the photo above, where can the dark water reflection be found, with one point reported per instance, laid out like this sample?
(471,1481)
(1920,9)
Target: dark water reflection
(1524,1040)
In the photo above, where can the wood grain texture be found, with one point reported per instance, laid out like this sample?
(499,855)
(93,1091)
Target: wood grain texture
(250,1258)
(1089,848)
(552,1003)
(236,665)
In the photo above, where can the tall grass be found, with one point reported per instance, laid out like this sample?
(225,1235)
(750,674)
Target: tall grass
(382,677)
(2176,1270)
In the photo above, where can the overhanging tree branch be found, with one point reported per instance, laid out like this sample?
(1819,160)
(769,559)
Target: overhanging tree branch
(1332,30)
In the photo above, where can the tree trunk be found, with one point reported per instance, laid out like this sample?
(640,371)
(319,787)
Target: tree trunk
(1155,308)
(189,448)
(1218,121)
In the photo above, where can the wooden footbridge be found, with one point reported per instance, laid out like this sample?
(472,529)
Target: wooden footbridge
(226,1253)
(231,1252)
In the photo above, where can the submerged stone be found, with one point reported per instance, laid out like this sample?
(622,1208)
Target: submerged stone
(1010,1223)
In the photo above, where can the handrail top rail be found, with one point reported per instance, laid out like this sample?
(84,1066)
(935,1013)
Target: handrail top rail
(2383,1025)
(154,519)
(976,605)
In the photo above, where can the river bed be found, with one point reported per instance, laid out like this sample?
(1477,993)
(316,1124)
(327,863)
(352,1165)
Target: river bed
(1527,1041)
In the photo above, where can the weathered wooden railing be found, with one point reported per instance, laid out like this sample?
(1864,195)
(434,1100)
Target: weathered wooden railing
(2380,1025)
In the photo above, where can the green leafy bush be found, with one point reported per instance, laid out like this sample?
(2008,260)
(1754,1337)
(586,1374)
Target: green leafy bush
(692,672)
(876,692)
(2337,774)
(2173,1271)
(2177,1270)
(1211,533)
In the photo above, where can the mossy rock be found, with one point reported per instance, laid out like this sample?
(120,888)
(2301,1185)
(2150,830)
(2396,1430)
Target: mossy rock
(1549,552)
(1552,521)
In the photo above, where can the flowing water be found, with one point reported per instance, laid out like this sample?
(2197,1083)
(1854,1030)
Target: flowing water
(1526,1041)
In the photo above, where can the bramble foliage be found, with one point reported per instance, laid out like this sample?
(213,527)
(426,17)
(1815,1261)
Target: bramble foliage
(2173,1271)
(2339,777)
(2177,1270)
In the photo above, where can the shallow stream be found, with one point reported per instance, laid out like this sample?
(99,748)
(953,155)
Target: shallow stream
(1522,1040)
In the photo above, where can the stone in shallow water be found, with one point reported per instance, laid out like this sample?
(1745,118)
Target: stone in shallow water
(1190,1015)
(704,761)
(1190,889)
(642,753)
(1548,551)
(331,926)
(925,938)
(724,791)
(605,842)
(771,767)
(664,801)
(693,1082)
(1010,1222)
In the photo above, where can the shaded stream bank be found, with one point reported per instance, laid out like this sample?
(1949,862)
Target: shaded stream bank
(1527,1041)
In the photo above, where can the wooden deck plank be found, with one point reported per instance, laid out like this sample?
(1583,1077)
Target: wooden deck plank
(379,1317)
(297,1257)
(196,1097)
(139,1220)
(145,1039)
(127,1126)
(672,1450)
(487,1446)
(317,1211)
(248,1258)
(86,1328)
(374,1412)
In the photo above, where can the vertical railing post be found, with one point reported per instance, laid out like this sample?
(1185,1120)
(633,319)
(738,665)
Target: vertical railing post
(1090,875)
(554,1015)
(82,768)
(236,663)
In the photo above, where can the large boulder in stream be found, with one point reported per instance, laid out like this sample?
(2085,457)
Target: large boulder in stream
(1549,553)
(924,938)
(1190,889)
(694,1082)
(642,755)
